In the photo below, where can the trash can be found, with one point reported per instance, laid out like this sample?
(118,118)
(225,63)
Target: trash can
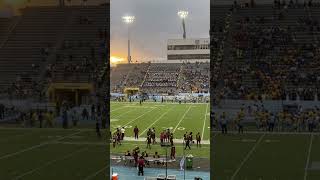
(189,161)
(114,176)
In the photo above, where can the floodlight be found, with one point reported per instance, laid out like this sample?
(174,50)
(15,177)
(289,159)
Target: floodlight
(183,14)
(128,19)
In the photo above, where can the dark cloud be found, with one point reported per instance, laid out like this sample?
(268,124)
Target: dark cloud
(156,21)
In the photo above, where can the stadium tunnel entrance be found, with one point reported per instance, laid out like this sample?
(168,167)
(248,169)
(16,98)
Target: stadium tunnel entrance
(131,91)
(75,93)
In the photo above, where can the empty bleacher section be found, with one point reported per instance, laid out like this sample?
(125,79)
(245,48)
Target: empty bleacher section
(161,78)
(271,51)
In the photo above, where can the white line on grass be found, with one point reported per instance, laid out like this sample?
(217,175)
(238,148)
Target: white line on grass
(122,114)
(204,122)
(81,143)
(50,162)
(43,129)
(247,157)
(274,132)
(176,141)
(96,173)
(174,130)
(36,146)
(156,121)
(136,118)
(308,158)
(15,136)
(118,108)
(204,146)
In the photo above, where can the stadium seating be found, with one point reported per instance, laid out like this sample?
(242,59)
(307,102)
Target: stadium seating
(161,78)
(270,51)
(34,41)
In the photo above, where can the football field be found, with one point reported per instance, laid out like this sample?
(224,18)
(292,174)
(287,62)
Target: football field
(51,154)
(179,118)
(266,156)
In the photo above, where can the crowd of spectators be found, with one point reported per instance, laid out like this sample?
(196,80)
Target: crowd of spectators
(274,54)
(258,117)
(195,77)
(162,78)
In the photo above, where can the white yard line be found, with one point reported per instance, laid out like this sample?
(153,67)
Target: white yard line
(43,129)
(49,163)
(247,157)
(176,141)
(156,121)
(174,130)
(135,119)
(96,173)
(14,136)
(121,114)
(204,122)
(176,144)
(308,159)
(36,146)
(266,132)
(81,143)
(118,108)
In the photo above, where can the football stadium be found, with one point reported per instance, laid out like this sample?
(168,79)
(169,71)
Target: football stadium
(265,87)
(159,107)
(53,64)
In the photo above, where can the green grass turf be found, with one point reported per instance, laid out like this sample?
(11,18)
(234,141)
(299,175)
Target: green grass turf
(178,117)
(51,154)
(265,157)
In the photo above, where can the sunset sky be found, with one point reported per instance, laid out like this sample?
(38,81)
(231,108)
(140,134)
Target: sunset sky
(155,22)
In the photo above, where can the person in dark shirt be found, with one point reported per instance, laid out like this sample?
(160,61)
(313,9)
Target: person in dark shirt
(1,111)
(171,139)
(187,142)
(198,138)
(40,117)
(85,114)
(98,129)
(149,142)
(136,132)
(140,166)
(173,152)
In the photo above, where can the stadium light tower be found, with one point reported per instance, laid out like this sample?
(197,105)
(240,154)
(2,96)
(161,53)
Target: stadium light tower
(128,20)
(183,15)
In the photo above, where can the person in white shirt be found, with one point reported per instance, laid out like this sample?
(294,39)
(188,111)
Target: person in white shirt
(122,130)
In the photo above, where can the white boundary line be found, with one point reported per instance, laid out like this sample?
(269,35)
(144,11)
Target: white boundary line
(204,122)
(44,129)
(275,132)
(135,119)
(49,163)
(8,138)
(184,115)
(156,121)
(205,146)
(81,143)
(96,173)
(121,114)
(308,159)
(118,108)
(36,146)
(247,157)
